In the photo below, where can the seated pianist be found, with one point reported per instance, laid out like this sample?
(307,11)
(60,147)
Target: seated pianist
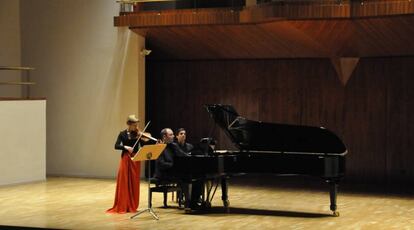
(181,139)
(166,159)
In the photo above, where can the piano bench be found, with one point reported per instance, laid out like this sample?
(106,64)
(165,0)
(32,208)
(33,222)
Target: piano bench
(166,188)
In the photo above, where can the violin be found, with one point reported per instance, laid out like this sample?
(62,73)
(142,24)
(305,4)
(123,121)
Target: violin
(142,135)
(145,136)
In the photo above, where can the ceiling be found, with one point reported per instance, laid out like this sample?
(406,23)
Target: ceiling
(309,31)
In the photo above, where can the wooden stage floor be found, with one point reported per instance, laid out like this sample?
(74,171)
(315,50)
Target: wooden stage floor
(78,203)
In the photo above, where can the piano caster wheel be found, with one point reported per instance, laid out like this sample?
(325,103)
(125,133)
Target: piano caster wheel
(226,204)
(335,213)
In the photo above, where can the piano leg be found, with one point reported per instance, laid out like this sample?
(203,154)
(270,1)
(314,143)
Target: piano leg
(224,194)
(333,190)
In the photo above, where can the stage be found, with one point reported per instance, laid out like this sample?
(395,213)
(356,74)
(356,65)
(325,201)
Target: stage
(78,203)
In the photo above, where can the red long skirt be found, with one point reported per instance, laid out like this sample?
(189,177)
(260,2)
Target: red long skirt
(127,186)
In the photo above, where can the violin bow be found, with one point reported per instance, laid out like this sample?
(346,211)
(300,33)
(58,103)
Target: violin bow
(142,132)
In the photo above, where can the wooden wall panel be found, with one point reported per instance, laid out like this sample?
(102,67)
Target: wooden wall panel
(364,127)
(266,12)
(400,120)
(372,113)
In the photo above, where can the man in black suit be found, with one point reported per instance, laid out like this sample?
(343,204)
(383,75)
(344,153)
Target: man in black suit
(166,159)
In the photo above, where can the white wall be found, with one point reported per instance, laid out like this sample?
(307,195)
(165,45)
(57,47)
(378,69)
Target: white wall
(9,46)
(22,141)
(89,71)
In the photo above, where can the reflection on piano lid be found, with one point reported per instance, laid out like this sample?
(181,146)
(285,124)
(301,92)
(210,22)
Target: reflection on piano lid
(261,137)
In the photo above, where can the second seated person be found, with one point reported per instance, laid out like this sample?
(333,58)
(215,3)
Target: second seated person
(182,141)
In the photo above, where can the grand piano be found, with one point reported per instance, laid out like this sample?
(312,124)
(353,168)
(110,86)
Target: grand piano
(262,148)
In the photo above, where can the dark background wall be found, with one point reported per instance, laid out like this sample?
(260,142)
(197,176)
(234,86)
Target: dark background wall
(373,113)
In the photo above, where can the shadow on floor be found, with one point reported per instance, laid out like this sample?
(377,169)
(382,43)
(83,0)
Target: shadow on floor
(220,211)
(20,227)
(308,183)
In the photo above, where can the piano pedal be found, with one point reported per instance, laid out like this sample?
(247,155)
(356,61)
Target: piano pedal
(206,205)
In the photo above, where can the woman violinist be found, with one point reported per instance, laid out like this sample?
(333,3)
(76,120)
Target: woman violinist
(127,183)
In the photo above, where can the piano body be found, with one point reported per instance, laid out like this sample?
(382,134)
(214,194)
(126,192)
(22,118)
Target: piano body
(265,148)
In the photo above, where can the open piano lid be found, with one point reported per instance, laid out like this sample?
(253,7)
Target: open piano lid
(250,135)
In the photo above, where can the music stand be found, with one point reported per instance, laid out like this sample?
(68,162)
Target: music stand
(146,153)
